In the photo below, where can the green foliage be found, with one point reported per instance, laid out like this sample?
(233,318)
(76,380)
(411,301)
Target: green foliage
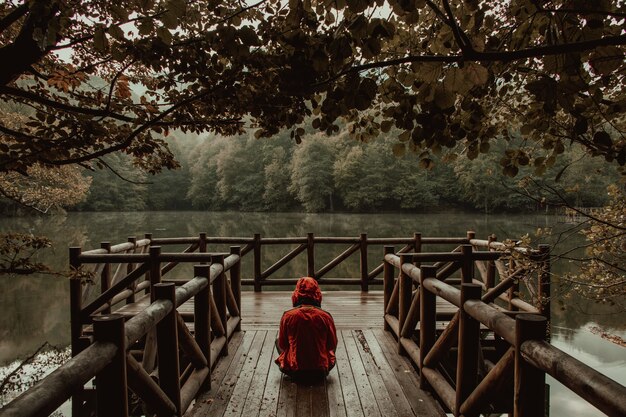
(311,174)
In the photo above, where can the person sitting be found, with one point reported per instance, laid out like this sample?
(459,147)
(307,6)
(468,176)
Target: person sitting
(307,338)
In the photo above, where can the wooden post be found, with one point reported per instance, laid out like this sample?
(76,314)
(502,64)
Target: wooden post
(149,237)
(219,295)
(310,255)
(543,292)
(235,281)
(105,275)
(167,346)
(529,382)
(364,269)
(514,290)
(467,270)
(202,245)
(428,319)
(491,265)
(155,269)
(257,262)
(417,245)
(129,268)
(76,325)
(202,317)
(469,335)
(388,281)
(111,382)
(470,235)
(76,301)
(405,289)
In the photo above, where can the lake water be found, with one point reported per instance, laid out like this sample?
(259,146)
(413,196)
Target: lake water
(35,309)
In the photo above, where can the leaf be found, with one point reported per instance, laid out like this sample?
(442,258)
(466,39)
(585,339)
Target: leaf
(426,163)
(606,59)
(476,73)
(248,36)
(399,149)
(427,71)
(456,81)
(444,99)
(386,125)
(165,35)
(117,33)
(100,42)
(602,139)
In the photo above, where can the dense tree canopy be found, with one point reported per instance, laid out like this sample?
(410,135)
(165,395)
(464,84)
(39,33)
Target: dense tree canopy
(103,76)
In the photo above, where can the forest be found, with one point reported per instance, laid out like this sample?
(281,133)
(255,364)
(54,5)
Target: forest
(336,173)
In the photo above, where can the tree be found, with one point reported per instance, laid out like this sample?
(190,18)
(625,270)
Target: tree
(311,173)
(444,72)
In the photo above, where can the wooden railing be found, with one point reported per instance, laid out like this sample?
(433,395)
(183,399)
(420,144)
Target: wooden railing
(153,353)
(469,377)
(262,276)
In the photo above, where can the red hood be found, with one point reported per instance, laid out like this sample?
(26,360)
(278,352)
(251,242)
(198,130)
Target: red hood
(306,287)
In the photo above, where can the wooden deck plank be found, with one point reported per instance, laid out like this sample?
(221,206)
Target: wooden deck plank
(363,387)
(398,399)
(221,394)
(336,406)
(373,373)
(244,379)
(271,394)
(420,401)
(351,399)
(319,400)
(254,398)
(287,398)
(303,401)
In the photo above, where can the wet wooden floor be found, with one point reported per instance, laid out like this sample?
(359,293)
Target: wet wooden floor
(370,379)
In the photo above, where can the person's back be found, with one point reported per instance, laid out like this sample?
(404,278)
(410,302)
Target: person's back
(307,337)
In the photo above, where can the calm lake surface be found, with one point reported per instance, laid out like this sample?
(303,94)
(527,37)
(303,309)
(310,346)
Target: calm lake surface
(35,309)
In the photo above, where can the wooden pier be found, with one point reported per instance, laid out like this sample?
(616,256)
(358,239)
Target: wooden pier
(462,331)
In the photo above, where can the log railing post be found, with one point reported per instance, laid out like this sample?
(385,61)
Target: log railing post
(105,275)
(467,269)
(111,382)
(76,301)
(514,290)
(149,237)
(235,281)
(310,255)
(491,265)
(543,290)
(129,268)
(257,262)
(417,244)
(405,290)
(219,295)
(167,346)
(155,269)
(469,335)
(202,317)
(363,263)
(529,382)
(202,247)
(388,281)
(428,319)
(76,325)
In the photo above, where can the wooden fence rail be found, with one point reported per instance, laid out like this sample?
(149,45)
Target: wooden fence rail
(512,379)
(262,277)
(184,361)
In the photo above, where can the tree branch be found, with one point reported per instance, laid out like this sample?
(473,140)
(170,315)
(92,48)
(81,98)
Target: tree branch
(13,17)
(16,92)
(503,56)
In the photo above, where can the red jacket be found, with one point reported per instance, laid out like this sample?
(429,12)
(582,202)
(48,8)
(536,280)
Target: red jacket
(307,336)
